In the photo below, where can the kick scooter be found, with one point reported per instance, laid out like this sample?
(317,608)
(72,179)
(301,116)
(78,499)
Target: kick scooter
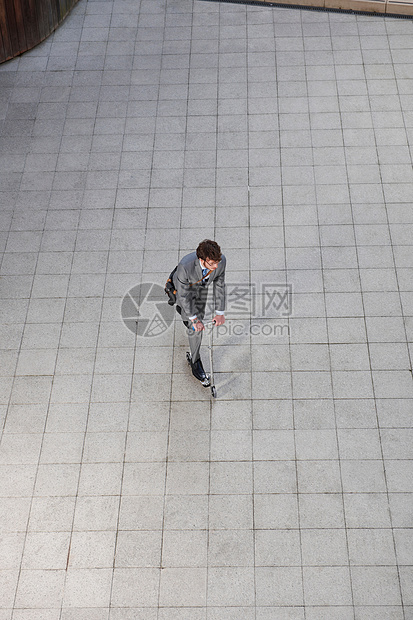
(210,377)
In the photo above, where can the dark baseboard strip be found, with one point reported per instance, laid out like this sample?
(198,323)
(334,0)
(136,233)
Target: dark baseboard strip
(320,9)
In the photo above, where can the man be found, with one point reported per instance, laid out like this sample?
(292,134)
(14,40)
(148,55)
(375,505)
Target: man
(193,276)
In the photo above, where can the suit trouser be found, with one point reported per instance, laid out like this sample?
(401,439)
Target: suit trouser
(195,338)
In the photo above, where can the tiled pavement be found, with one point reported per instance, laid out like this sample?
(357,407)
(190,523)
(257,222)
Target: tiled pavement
(133,132)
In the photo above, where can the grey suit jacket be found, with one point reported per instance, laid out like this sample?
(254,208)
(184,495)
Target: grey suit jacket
(189,271)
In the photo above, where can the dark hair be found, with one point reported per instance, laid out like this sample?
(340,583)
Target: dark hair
(209,249)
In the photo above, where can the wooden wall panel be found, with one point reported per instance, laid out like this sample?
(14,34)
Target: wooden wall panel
(25,23)
(5,42)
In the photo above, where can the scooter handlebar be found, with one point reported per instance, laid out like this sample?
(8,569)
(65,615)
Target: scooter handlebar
(210,323)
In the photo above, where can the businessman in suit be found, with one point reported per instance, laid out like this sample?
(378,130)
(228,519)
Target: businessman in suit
(194,274)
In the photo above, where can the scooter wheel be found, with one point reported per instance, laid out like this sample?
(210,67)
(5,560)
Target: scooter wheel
(213,392)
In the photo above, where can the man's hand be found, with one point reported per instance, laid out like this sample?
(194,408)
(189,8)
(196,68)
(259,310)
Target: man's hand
(198,325)
(219,319)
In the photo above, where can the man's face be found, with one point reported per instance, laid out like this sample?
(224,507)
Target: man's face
(211,264)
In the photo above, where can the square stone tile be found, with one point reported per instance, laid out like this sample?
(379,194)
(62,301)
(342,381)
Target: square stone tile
(100,479)
(327,585)
(176,613)
(38,588)
(84,612)
(143,446)
(321,510)
(356,413)
(324,547)
(279,586)
(184,549)
(272,414)
(56,480)
(231,512)
(274,511)
(375,585)
(71,389)
(338,613)
(371,547)
(141,416)
(267,385)
(316,444)
(310,384)
(141,512)
(133,587)
(187,479)
(185,512)
(357,384)
(277,548)
(406,580)
(92,549)
(62,448)
(231,586)
(314,414)
(272,445)
(310,357)
(393,384)
(389,356)
(358,443)
(231,478)
(67,417)
(20,448)
(138,549)
(231,445)
(46,550)
(319,477)
(183,587)
(231,548)
(143,478)
(349,357)
(362,476)
(367,510)
(399,507)
(96,513)
(11,547)
(229,613)
(398,476)
(189,446)
(36,614)
(232,415)
(275,477)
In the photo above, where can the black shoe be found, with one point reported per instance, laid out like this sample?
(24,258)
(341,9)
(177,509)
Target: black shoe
(200,374)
